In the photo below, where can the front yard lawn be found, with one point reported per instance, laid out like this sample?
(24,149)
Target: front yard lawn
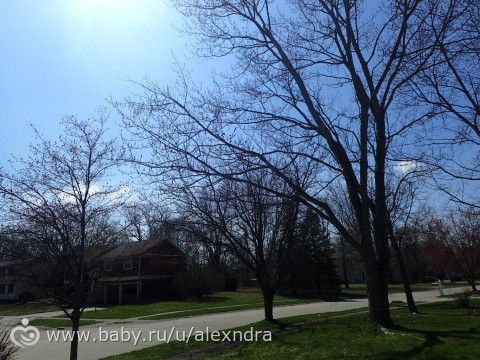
(223,302)
(360,290)
(441,331)
(219,302)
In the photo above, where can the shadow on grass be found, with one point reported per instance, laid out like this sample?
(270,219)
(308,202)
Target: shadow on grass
(433,338)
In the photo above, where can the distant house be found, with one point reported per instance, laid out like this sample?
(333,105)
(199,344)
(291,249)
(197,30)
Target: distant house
(16,280)
(142,269)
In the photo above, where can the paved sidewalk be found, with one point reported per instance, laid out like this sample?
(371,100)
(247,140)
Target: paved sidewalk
(94,350)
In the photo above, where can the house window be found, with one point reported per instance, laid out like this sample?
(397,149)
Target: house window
(10,271)
(127,264)
(2,288)
(2,272)
(108,265)
(11,288)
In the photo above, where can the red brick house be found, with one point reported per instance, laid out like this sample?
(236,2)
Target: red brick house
(139,270)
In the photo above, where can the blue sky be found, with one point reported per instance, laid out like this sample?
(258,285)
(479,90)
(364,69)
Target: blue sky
(66,57)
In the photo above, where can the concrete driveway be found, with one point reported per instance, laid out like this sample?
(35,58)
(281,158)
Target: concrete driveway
(150,333)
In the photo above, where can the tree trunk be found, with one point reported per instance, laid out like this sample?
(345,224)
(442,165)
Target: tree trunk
(345,275)
(268,295)
(75,326)
(412,307)
(377,287)
(374,240)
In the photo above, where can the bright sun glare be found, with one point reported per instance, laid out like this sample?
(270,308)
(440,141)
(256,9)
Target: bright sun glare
(109,21)
(114,11)
(110,6)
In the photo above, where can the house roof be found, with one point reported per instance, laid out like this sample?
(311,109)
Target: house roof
(134,248)
(96,251)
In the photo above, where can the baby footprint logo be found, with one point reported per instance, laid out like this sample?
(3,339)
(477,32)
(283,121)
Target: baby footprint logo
(24,335)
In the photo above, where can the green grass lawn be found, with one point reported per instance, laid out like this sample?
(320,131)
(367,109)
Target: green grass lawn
(360,290)
(24,309)
(219,302)
(57,323)
(441,331)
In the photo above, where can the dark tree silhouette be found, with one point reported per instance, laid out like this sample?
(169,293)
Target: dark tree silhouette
(311,266)
(255,226)
(279,106)
(60,206)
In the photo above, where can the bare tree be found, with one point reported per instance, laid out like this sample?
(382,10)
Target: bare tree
(206,241)
(280,105)
(146,220)
(255,226)
(60,203)
(400,208)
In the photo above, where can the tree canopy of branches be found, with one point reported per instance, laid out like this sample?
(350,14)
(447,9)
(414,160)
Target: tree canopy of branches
(450,87)
(254,225)
(278,108)
(146,220)
(60,207)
